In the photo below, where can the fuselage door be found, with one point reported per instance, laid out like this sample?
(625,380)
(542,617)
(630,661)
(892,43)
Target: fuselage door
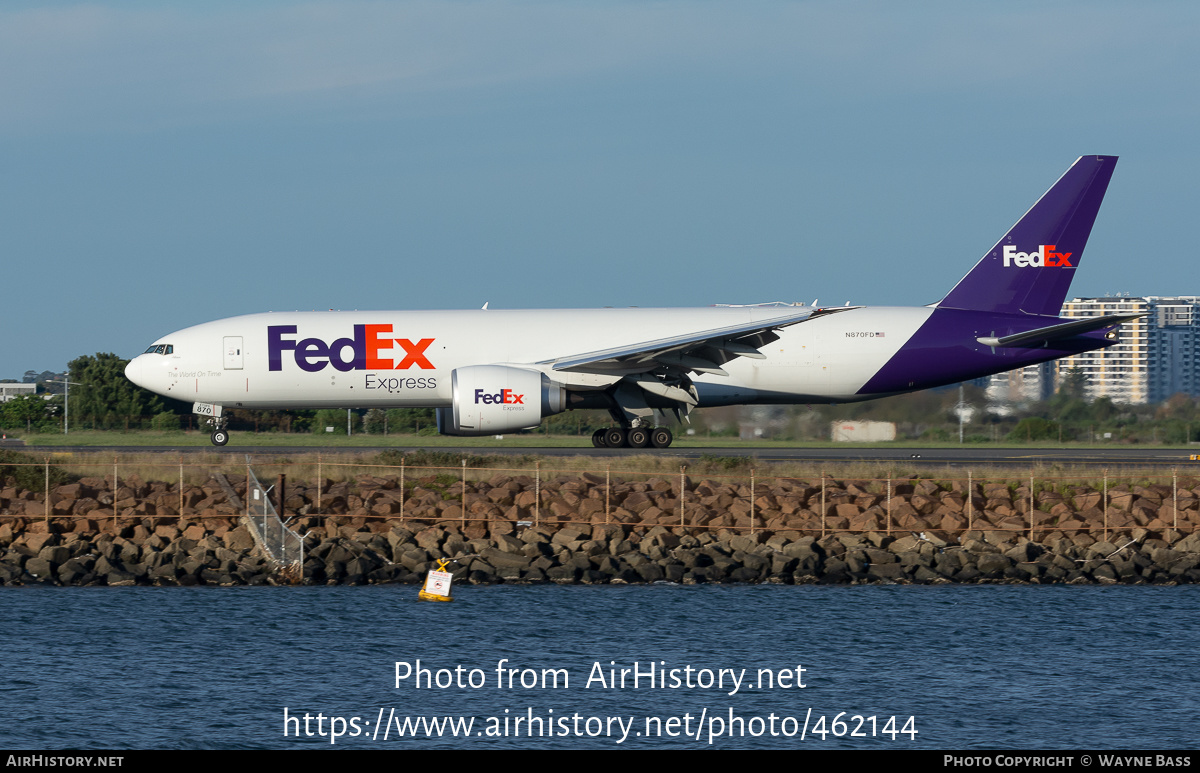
(233,352)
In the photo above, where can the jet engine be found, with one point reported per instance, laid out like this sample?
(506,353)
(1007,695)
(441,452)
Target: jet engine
(494,399)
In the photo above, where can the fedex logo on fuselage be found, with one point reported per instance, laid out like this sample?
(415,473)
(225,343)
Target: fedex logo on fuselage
(361,352)
(1044,257)
(504,396)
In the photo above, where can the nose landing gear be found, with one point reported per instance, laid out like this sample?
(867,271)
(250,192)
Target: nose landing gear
(212,413)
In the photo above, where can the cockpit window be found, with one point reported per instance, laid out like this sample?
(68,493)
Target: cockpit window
(161,349)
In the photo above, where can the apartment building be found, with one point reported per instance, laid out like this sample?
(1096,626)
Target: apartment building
(1156,357)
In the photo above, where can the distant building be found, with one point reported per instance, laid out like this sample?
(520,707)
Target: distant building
(1035,382)
(1157,355)
(10,390)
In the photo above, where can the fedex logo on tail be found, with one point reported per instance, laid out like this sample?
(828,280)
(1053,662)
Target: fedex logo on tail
(1044,257)
(363,351)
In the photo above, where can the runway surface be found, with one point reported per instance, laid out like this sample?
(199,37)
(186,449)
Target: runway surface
(923,457)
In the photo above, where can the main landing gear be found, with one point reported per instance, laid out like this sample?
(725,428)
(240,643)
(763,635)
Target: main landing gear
(633,437)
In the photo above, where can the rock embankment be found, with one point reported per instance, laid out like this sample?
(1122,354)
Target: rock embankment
(578,529)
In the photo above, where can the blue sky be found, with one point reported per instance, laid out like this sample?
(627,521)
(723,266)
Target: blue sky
(165,164)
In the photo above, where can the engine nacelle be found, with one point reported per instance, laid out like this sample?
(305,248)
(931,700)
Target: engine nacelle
(494,399)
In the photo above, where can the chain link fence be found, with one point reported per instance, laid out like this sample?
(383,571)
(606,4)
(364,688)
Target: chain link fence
(1037,503)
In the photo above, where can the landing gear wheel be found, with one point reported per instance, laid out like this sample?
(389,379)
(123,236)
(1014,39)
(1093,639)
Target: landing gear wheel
(220,437)
(598,438)
(637,437)
(661,437)
(614,437)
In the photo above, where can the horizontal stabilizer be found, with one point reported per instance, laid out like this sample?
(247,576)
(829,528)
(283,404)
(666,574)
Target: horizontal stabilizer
(1043,335)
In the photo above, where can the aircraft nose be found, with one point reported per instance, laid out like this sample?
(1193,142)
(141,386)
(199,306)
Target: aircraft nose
(133,371)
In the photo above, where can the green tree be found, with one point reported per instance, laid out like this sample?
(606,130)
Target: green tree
(336,418)
(1069,404)
(410,420)
(1035,428)
(105,398)
(23,411)
(1073,385)
(165,422)
(375,421)
(1178,406)
(1103,410)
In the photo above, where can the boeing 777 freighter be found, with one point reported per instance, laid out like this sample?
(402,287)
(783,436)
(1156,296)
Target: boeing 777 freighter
(491,371)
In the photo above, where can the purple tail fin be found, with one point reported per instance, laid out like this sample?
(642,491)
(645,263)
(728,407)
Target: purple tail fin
(1030,270)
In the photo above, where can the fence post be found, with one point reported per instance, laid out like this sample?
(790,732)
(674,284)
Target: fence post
(970,505)
(751,500)
(682,521)
(822,504)
(280,484)
(1175,498)
(537,493)
(889,505)
(607,490)
(1106,505)
(464,494)
(47,502)
(318,482)
(1031,505)
(401,488)
(180,484)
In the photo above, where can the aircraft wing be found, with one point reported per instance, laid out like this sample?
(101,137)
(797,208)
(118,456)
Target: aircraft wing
(703,351)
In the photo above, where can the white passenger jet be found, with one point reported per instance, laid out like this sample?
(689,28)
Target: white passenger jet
(490,371)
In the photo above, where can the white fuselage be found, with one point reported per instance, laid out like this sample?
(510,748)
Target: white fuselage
(320,360)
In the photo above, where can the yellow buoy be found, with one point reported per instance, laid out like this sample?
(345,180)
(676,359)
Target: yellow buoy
(437,584)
